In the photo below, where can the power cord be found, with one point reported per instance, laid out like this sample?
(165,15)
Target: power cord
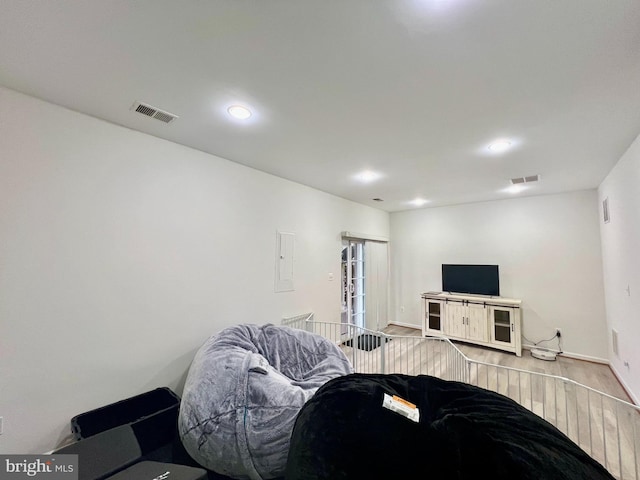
(558,335)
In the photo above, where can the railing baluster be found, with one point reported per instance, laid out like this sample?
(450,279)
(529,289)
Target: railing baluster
(604,434)
(634,420)
(619,444)
(589,423)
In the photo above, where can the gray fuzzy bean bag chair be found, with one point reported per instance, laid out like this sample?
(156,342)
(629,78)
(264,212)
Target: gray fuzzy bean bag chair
(243,392)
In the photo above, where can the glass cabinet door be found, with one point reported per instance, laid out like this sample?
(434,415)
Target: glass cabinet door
(434,310)
(502,326)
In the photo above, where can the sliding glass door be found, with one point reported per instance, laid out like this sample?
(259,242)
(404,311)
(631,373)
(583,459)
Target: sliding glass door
(353,282)
(376,263)
(365,283)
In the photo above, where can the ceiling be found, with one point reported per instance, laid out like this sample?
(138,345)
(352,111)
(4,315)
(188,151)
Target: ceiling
(411,89)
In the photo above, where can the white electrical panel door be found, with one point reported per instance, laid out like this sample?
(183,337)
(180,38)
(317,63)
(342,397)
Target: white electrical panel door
(285,246)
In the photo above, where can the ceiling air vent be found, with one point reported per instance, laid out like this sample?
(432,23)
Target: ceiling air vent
(153,112)
(529,179)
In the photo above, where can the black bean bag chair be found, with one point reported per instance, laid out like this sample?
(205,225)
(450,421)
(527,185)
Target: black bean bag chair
(463,432)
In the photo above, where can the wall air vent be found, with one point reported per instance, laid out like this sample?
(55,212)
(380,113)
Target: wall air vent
(521,180)
(153,112)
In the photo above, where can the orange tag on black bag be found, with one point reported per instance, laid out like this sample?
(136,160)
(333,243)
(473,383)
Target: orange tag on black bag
(401,406)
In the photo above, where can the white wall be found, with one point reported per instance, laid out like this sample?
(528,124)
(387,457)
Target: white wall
(621,264)
(547,249)
(120,253)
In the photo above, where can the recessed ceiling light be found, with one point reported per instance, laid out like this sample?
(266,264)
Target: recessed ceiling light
(500,146)
(239,112)
(513,189)
(418,202)
(368,176)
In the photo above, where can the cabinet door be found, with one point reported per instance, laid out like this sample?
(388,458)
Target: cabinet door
(455,326)
(502,325)
(477,326)
(433,317)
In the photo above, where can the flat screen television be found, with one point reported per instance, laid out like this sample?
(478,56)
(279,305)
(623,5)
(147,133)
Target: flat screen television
(474,279)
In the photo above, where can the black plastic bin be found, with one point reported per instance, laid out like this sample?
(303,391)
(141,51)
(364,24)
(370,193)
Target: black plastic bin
(161,403)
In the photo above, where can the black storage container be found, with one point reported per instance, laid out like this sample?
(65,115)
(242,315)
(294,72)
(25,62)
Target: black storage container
(161,403)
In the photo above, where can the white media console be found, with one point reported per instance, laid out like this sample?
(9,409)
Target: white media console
(489,321)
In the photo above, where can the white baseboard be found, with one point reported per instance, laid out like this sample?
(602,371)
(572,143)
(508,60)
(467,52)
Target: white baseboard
(577,356)
(634,399)
(408,325)
(587,358)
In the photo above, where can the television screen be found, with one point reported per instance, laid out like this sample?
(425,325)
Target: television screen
(475,279)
